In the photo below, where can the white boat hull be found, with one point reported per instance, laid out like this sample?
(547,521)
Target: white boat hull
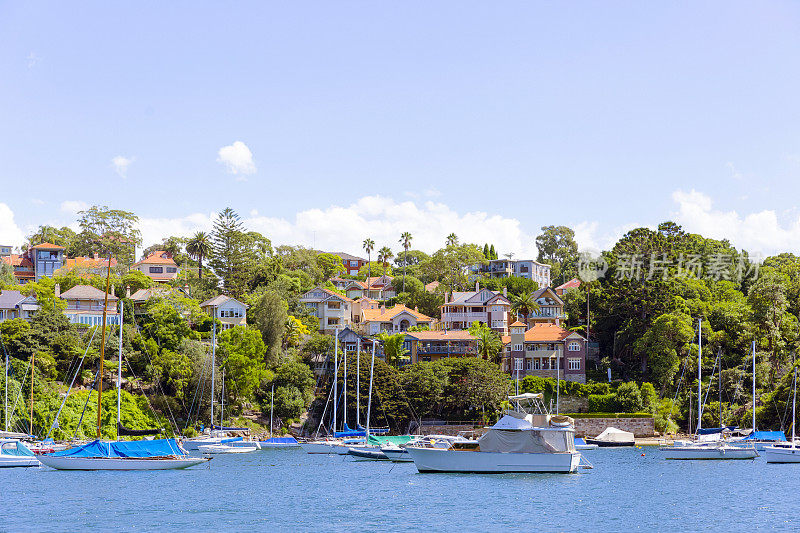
(7,461)
(438,460)
(194,444)
(115,463)
(219,449)
(709,452)
(781,454)
(397,455)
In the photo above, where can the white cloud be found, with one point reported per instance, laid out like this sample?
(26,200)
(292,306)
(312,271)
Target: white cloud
(121,164)
(760,232)
(10,232)
(33,59)
(343,228)
(238,159)
(72,207)
(37,201)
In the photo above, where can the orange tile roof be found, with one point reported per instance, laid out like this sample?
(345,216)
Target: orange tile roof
(518,323)
(543,333)
(384,315)
(48,246)
(571,284)
(156,258)
(87,262)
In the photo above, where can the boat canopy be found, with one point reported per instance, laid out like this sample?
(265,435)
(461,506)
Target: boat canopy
(360,432)
(712,431)
(770,436)
(529,441)
(612,434)
(15,448)
(509,422)
(281,440)
(386,439)
(134,448)
(527,396)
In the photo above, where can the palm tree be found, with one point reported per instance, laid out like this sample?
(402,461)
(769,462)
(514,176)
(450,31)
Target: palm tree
(524,304)
(405,240)
(384,254)
(199,247)
(452,240)
(489,343)
(368,246)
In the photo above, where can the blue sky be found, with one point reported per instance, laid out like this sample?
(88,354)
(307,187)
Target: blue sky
(372,118)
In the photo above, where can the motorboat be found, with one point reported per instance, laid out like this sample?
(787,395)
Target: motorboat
(521,441)
(612,437)
(708,450)
(330,446)
(160,454)
(582,445)
(13,452)
(367,451)
(399,453)
(234,447)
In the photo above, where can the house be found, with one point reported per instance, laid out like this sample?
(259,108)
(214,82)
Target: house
(159,266)
(397,319)
(432,286)
(5,250)
(434,345)
(542,350)
(521,268)
(551,308)
(229,311)
(21,267)
(37,262)
(461,309)
(379,287)
(91,265)
(359,306)
(351,262)
(332,308)
(141,296)
(85,305)
(349,339)
(564,288)
(14,304)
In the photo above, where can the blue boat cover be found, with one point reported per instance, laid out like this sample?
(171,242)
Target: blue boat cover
(280,440)
(226,428)
(712,431)
(20,450)
(579,441)
(133,448)
(771,436)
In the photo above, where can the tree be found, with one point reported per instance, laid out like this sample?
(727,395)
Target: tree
(268,313)
(393,347)
(767,297)
(452,266)
(368,246)
(492,253)
(557,247)
(243,352)
(405,240)
(199,247)
(452,240)
(110,231)
(384,254)
(490,345)
(230,260)
(524,304)
(663,344)
(330,264)
(294,332)
(63,236)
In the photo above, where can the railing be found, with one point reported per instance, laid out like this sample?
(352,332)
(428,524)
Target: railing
(466,350)
(465,316)
(74,307)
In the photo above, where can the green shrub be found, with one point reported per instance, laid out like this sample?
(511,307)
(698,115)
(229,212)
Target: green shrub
(649,397)
(603,403)
(628,397)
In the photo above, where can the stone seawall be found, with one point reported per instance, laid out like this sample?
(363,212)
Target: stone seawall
(640,427)
(451,429)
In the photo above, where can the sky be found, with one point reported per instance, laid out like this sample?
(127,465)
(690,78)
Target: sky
(323,123)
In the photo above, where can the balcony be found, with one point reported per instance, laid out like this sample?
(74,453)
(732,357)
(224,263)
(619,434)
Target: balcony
(447,350)
(544,353)
(471,317)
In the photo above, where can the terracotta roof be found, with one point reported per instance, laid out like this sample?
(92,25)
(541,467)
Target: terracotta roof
(384,315)
(432,286)
(88,262)
(86,292)
(159,257)
(543,333)
(518,323)
(443,335)
(48,246)
(571,284)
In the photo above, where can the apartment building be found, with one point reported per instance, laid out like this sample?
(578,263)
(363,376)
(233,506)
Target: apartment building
(544,350)
(461,309)
(521,268)
(435,345)
(351,262)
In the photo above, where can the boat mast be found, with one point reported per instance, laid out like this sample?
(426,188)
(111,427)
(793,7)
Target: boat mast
(358,381)
(699,375)
(222,403)
(5,402)
(119,366)
(794,401)
(335,375)
(719,382)
(32,365)
(558,380)
(271,408)
(754,389)
(213,361)
(102,350)
(369,397)
(344,404)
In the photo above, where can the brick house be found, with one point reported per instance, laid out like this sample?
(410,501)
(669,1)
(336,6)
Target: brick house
(542,349)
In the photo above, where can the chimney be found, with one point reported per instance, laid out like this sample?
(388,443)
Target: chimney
(127,291)
(477,286)
(383,308)
(58,290)
(505,292)
(416,308)
(113,290)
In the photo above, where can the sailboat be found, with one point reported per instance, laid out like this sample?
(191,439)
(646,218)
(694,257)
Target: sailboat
(158,454)
(787,453)
(705,450)
(237,446)
(277,442)
(13,452)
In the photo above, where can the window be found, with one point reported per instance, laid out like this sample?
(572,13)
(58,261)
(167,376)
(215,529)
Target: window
(537,364)
(574,364)
(528,364)
(517,364)
(574,347)
(156,270)
(172,270)
(517,348)
(353,263)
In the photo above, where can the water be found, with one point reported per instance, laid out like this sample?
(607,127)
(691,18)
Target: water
(288,490)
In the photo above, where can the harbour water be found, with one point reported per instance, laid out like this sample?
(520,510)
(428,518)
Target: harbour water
(288,490)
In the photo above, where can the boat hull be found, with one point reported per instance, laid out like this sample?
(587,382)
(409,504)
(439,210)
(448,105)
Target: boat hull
(374,454)
(116,463)
(583,447)
(780,454)
(708,452)
(438,460)
(9,461)
(221,449)
(397,455)
(609,444)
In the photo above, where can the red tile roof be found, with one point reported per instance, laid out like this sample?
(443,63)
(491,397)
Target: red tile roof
(157,258)
(48,246)
(385,315)
(543,333)
(571,284)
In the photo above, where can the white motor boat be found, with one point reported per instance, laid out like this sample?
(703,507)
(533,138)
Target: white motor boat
(399,453)
(581,445)
(218,449)
(790,453)
(713,450)
(513,444)
(13,452)
(612,437)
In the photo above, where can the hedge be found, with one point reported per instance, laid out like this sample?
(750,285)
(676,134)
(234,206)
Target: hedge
(609,415)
